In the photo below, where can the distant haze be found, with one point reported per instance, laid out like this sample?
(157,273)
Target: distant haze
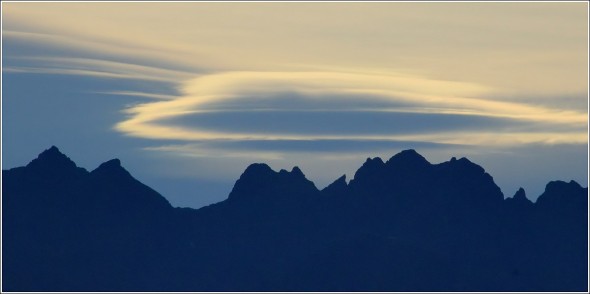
(187,95)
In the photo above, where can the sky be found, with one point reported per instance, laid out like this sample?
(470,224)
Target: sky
(189,94)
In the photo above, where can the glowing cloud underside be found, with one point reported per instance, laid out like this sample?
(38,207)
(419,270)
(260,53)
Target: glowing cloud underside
(212,93)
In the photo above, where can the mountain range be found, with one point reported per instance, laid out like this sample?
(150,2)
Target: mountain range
(399,225)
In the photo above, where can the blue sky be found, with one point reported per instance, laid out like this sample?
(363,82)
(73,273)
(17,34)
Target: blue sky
(187,95)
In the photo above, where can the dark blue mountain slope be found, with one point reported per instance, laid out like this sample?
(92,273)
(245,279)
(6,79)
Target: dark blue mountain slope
(400,225)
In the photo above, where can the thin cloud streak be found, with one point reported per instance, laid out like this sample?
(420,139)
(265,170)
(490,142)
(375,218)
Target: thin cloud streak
(139,94)
(196,151)
(112,66)
(97,68)
(81,72)
(318,146)
(88,45)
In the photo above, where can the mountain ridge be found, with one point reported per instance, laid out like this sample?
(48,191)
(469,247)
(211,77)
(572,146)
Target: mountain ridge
(53,154)
(400,225)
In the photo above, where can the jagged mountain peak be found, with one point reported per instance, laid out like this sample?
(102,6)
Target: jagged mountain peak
(259,180)
(408,158)
(371,167)
(52,157)
(341,180)
(520,194)
(113,163)
(297,172)
(462,164)
(264,170)
(52,149)
(373,161)
(52,152)
(560,192)
(519,199)
(55,166)
(258,169)
(109,186)
(426,228)
(112,169)
(401,162)
(560,186)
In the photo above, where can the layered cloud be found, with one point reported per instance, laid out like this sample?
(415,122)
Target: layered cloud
(320,85)
(351,106)
(518,48)
(339,94)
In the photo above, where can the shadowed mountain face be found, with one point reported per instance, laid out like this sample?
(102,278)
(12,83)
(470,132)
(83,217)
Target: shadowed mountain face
(400,225)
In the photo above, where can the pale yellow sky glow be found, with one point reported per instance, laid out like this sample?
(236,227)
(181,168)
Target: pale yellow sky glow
(499,60)
(188,94)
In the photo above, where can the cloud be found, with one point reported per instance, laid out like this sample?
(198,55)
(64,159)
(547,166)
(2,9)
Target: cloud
(213,87)
(93,67)
(515,48)
(467,67)
(39,43)
(276,147)
(139,94)
(393,77)
(341,105)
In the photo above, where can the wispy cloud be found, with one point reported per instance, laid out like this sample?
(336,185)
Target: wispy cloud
(274,148)
(139,94)
(212,87)
(415,63)
(96,68)
(55,44)
(206,151)
(517,48)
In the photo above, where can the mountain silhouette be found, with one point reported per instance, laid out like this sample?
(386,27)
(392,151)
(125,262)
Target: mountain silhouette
(400,225)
